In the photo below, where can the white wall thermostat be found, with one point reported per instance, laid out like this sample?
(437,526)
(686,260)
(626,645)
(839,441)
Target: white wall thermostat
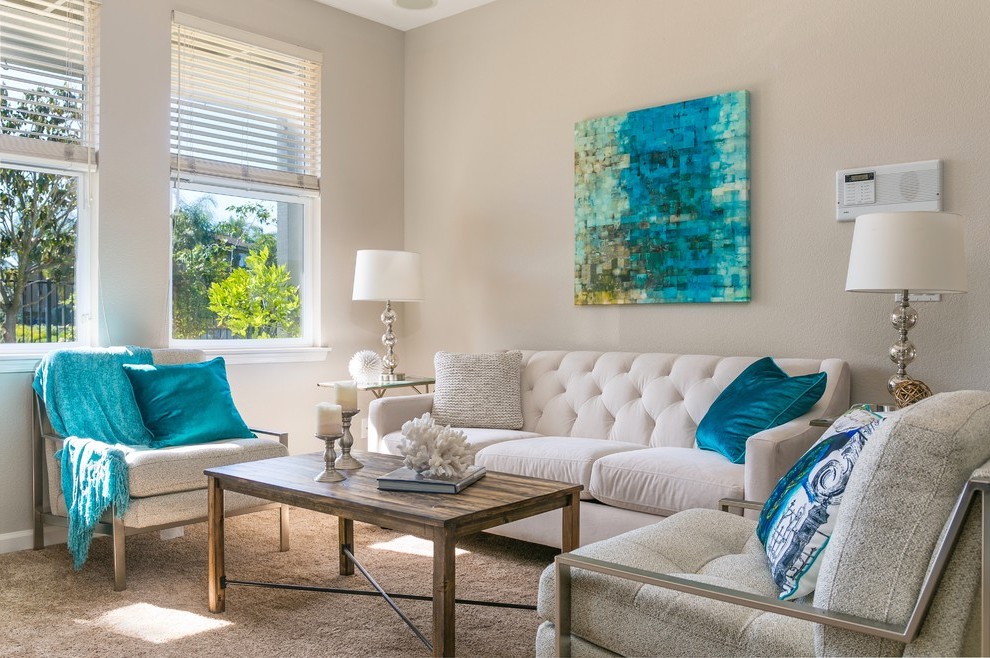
(888,188)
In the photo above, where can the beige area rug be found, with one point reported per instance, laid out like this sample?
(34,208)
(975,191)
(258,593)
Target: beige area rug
(46,609)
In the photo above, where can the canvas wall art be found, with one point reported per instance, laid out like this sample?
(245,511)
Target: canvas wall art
(661,204)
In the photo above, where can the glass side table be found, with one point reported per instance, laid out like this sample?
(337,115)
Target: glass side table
(378,389)
(877,408)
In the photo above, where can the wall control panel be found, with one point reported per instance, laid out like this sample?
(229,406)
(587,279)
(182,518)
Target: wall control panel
(888,188)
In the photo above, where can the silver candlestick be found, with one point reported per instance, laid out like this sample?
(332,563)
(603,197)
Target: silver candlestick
(329,473)
(345,462)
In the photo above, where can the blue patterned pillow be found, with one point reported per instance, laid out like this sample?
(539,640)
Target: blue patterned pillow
(798,518)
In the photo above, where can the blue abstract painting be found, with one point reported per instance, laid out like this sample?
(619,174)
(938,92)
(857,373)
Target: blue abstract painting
(661,204)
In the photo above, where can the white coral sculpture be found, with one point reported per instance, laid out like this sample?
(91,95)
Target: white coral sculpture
(365,367)
(433,450)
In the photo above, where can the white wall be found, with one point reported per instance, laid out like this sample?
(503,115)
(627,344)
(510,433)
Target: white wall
(362,192)
(492,96)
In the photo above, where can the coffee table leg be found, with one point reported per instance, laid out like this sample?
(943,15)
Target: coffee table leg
(570,537)
(345,537)
(443,592)
(215,546)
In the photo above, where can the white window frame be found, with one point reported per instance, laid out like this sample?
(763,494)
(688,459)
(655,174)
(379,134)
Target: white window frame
(309,281)
(18,357)
(205,175)
(66,159)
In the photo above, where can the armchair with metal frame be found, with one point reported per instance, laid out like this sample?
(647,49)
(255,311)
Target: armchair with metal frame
(174,489)
(963,542)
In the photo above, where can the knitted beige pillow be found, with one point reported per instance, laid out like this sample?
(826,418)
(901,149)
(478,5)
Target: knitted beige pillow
(478,390)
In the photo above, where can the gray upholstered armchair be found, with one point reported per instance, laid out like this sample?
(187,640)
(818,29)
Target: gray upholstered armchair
(167,485)
(902,574)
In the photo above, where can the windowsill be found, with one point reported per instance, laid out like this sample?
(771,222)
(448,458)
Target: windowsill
(11,363)
(247,355)
(28,362)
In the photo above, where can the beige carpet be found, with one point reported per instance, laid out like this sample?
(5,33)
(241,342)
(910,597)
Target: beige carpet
(48,610)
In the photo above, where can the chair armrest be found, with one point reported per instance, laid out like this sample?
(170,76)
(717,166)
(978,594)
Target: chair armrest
(564,562)
(771,453)
(283,437)
(724,504)
(387,415)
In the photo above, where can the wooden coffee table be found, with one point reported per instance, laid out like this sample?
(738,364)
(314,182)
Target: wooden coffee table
(496,499)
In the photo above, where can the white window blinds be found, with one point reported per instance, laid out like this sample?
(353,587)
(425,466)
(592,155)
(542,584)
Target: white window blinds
(243,107)
(48,78)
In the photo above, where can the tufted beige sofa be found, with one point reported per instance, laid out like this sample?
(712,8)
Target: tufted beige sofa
(623,425)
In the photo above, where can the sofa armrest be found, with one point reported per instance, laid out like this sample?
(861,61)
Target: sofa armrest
(387,415)
(771,453)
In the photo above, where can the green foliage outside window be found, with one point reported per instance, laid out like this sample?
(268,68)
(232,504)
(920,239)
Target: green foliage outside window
(38,210)
(226,281)
(258,301)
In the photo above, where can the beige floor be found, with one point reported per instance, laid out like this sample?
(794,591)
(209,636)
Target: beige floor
(47,610)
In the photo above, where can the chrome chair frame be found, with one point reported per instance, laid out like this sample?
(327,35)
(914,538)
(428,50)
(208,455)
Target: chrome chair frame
(42,431)
(976,487)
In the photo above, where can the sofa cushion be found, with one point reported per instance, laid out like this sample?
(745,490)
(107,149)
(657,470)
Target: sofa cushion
(665,480)
(478,390)
(761,397)
(632,619)
(477,437)
(152,472)
(559,458)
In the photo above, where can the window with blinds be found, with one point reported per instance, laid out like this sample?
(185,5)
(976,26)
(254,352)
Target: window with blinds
(48,78)
(243,107)
(245,157)
(48,141)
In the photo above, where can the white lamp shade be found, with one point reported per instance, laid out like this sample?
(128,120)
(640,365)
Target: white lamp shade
(381,275)
(921,252)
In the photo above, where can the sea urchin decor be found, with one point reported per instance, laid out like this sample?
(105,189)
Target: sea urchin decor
(365,367)
(661,204)
(434,451)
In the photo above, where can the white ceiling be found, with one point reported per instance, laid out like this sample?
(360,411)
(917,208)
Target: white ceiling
(383,11)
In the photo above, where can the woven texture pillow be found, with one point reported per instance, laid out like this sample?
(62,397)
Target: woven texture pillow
(478,390)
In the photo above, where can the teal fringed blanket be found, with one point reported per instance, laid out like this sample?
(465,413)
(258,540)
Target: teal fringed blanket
(90,402)
(94,477)
(88,395)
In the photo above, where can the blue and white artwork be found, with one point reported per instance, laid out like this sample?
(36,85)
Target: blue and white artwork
(661,204)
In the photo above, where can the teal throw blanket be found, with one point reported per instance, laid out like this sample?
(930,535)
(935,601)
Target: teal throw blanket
(88,394)
(94,477)
(90,401)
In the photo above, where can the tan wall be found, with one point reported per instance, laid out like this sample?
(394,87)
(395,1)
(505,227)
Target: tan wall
(361,204)
(492,96)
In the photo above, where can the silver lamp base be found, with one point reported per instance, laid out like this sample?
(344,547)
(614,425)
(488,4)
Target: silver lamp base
(903,352)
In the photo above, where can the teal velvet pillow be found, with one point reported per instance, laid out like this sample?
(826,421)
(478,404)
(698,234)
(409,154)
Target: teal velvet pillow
(761,397)
(186,404)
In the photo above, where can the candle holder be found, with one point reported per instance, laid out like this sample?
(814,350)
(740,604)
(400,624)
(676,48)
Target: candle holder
(345,462)
(329,473)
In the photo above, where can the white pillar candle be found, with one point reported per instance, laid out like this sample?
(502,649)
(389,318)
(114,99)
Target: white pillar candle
(328,419)
(345,394)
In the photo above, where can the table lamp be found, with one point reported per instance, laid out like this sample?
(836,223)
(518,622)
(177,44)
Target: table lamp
(388,276)
(904,252)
